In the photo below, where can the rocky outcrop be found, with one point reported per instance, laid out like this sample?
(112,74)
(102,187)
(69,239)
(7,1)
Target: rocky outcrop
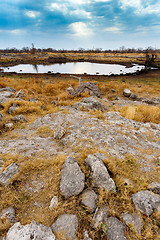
(19,118)
(146,201)
(72,178)
(30,231)
(7,175)
(90,103)
(99,172)
(66,225)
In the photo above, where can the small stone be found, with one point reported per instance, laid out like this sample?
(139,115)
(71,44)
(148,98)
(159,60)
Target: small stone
(6,94)
(133,96)
(100,216)
(114,229)
(13,108)
(155,187)
(8,174)
(146,201)
(67,225)
(53,203)
(72,178)
(89,200)
(59,132)
(127,92)
(86,235)
(1,117)
(30,231)
(133,219)
(9,213)
(33,100)
(19,118)
(9,125)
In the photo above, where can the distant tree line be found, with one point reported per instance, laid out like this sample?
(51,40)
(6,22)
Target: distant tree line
(122,49)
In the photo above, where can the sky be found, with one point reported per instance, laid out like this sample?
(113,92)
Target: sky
(74,24)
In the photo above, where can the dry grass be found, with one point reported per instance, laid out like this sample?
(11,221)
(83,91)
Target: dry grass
(142,113)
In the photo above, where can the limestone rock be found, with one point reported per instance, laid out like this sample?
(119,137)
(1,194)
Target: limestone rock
(89,200)
(115,229)
(13,108)
(9,213)
(133,219)
(8,174)
(127,92)
(1,117)
(146,201)
(133,96)
(155,187)
(100,173)
(72,178)
(7,89)
(59,132)
(6,94)
(1,164)
(30,231)
(90,103)
(67,225)
(53,203)
(19,118)
(100,216)
(8,125)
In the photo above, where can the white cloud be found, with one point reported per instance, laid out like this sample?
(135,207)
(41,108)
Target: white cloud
(141,7)
(58,7)
(113,29)
(80,29)
(14,31)
(81,13)
(32,14)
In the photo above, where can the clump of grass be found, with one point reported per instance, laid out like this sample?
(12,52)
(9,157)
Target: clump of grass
(98,114)
(45,131)
(142,113)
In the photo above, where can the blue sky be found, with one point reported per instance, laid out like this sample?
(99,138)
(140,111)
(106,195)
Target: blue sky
(73,24)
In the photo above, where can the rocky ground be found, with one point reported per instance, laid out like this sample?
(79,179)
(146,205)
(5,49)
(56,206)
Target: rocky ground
(111,142)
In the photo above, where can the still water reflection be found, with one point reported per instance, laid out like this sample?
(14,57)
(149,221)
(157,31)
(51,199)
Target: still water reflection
(74,68)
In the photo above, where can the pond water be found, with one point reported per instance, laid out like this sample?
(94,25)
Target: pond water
(75,68)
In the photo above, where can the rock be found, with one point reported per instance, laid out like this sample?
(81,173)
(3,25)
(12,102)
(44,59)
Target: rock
(133,219)
(30,231)
(87,86)
(86,235)
(145,201)
(9,213)
(53,203)
(66,224)
(6,94)
(1,117)
(114,229)
(100,216)
(19,118)
(69,90)
(20,94)
(127,92)
(33,100)
(8,89)
(9,125)
(13,108)
(90,103)
(59,132)
(99,172)
(89,200)
(155,187)
(1,164)
(8,174)
(72,178)
(133,96)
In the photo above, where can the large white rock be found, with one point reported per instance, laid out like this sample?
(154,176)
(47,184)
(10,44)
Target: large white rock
(34,231)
